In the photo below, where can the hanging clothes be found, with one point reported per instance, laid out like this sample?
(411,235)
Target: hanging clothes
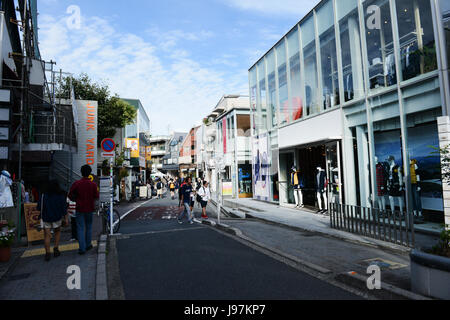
(381,179)
(393,184)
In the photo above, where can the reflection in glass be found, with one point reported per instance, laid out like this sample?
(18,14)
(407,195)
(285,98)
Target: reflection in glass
(380,45)
(253,88)
(417,45)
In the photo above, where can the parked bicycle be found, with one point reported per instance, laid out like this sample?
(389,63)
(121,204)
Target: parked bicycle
(104,211)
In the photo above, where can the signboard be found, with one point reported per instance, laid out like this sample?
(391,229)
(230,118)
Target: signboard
(108,154)
(133,145)
(261,168)
(105,189)
(32,221)
(227,188)
(87,112)
(148,153)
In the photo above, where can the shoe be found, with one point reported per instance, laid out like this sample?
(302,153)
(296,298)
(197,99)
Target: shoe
(191,222)
(47,257)
(73,240)
(89,248)
(81,252)
(56,252)
(180,222)
(206,218)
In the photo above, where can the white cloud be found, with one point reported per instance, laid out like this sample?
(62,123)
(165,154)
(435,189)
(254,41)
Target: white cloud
(279,7)
(175,89)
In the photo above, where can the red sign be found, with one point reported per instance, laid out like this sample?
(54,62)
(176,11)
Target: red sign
(108,145)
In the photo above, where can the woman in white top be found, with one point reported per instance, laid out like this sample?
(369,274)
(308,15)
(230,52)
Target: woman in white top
(205,194)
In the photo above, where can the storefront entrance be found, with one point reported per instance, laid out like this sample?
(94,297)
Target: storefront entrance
(307,160)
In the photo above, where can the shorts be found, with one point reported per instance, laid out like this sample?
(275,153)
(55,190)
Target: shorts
(159,193)
(204,203)
(51,225)
(192,203)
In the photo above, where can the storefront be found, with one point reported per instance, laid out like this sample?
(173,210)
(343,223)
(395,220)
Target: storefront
(353,89)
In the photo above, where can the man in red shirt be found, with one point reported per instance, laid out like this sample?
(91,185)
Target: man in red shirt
(84,192)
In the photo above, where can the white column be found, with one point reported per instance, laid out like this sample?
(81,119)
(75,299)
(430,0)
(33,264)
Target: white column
(363,161)
(444,141)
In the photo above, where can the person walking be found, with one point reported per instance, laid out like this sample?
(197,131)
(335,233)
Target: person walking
(186,199)
(205,195)
(53,207)
(84,192)
(172,189)
(159,188)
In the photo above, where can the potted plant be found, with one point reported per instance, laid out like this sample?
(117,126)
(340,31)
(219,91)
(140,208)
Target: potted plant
(7,233)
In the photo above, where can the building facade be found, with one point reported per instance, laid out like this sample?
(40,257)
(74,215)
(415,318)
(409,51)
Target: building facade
(171,164)
(158,148)
(232,144)
(354,89)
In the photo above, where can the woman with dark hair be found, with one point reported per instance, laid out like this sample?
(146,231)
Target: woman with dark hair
(53,207)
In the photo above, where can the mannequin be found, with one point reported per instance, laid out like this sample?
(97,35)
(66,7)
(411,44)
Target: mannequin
(415,186)
(395,184)
(334,185)
(381,184)
(321,190)
(298,184)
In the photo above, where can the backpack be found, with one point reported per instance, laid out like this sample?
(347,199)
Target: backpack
(158,185)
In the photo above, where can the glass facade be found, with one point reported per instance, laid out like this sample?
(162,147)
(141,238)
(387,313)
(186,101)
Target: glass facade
(373,65)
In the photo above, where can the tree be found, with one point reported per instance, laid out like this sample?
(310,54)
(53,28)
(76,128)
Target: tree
(113,113)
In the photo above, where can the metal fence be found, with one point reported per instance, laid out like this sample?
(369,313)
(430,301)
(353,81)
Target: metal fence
(385,225)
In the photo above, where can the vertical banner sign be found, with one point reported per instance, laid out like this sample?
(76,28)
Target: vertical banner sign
(224,135)
(261,167)
(87,135)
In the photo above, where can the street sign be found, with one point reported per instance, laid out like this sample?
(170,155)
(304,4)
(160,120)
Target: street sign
(108,145)
(108,154)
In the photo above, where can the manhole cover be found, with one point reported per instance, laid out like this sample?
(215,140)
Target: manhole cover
(19,277)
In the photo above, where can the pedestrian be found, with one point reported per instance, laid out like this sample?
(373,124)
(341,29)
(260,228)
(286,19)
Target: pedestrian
(186,199)
(53,207)
(159,187)
(72,211)
(172,189)
(84,192)
(205,195)
(182,183)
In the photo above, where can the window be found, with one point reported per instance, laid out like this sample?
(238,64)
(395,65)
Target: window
(351,49)
(310,62)
(330,85)
(380,45)
(282,84)
(253,110)
(296,103)
(417,45)
(272,98)
(262,98)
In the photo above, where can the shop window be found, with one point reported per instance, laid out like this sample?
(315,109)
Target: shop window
(310,63)
(245,180)
(243,125)
(262,102)
(380,45)
(296,103)
(351,50)
(282,84)
(417,45)
(272,97)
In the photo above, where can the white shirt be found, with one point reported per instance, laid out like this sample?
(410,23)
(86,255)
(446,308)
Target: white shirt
(204,193)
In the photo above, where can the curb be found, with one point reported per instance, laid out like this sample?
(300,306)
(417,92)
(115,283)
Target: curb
(387,291)
(101,287)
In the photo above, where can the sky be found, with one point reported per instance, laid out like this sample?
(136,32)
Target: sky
(179,57)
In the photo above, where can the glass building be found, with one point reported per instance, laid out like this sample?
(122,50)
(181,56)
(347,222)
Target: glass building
(355,88)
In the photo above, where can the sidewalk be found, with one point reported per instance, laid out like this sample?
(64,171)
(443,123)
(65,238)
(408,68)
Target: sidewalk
(28,277)
(306,239)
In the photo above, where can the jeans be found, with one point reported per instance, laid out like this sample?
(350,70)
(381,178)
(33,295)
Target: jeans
(187,210)
(417,201)
(84,230)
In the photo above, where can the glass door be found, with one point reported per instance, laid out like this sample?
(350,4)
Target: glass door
(334,176)
(287,161)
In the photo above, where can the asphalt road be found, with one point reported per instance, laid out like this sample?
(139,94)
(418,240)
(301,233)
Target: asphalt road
(159,259)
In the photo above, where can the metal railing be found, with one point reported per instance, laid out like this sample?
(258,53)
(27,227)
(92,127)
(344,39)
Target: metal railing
(385,225)
(47,129)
